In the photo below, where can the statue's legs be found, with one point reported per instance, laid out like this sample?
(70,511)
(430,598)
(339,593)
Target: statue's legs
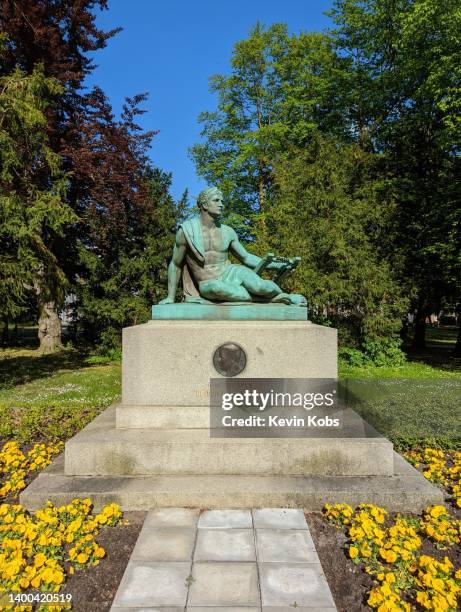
(237,284)
(217,289)
(261,287)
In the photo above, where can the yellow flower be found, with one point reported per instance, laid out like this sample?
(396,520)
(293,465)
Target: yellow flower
(422,598)
(388,555)
(48,575)
(390,578)
(58,577)
(39,559)
(365,551)
(353,552)
(99,552)
(35,582)
(24,583)
(82,558)
(101,518)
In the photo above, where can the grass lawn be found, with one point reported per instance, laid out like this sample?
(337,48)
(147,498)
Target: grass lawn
(411,412)
(52,397)
(415,404)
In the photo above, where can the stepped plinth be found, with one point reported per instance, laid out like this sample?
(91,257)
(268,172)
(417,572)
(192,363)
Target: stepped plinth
(155,447)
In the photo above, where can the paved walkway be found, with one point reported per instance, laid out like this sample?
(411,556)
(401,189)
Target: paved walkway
(224,560)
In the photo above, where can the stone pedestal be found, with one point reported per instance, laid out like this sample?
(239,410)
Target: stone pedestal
(155,449)
(170,363)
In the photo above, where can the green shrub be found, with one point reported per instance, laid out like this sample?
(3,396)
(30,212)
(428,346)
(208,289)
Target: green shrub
(378,352)
(384,351)
(352,356)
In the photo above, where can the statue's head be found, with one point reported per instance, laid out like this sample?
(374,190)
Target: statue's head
(210,200)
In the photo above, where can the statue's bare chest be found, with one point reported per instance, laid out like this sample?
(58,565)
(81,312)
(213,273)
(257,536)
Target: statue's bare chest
(215,239)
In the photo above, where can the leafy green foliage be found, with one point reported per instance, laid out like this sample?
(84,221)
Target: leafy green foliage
(382,352)
(124,264)
(44,62)
(404,105)
(277,93)
(102,217)
(343,148)
(33,213)
(327,208)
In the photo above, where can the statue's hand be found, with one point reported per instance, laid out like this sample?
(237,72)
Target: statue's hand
(167,300)
(277,265)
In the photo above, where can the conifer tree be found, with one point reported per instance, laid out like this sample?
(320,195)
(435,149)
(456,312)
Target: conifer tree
(118,209)
(53,36)
(34,213)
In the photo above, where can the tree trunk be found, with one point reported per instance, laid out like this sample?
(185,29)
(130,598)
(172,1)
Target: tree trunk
(419,339)
(5,332)
(457,351)
(261,189)
(262,207)
(49,328)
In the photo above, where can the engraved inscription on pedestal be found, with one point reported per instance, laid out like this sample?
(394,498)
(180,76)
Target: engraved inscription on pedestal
(229,359)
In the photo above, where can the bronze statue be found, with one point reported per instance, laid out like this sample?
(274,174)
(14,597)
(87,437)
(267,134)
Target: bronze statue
(201,256)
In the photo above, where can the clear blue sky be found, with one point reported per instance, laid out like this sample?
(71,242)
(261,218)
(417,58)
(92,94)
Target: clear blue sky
(170,49)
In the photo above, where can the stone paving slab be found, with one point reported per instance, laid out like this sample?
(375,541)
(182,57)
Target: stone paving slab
(225,519)
(279,518)
(285,545)
(146,584)
(224,561)
(225,545)
(224,584)
(172,517)
(172,544)
(290,584)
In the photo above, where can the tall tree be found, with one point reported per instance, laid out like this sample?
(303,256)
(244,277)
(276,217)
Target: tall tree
(321,191)
(33,210)
(57,36)
(328,208)
(123,206)
(404,104)
(127,221)
(386,80)
(278,92)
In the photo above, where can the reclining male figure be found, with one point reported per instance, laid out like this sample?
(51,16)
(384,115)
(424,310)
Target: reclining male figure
(201,255)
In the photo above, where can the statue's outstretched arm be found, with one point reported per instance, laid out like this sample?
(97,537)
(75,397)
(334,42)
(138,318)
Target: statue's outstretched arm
(248,259)
(237,249)
(175,266)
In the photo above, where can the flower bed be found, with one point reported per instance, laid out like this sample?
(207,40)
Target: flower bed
(40,549)
(390,551)
(440,467)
